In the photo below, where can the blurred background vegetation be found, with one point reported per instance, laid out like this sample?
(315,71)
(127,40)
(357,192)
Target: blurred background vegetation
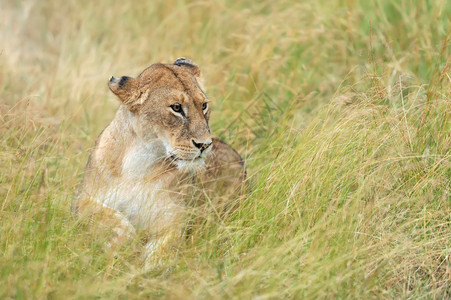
(340,109)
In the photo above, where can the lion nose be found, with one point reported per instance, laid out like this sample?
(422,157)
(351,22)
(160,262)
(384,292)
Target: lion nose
(202,145)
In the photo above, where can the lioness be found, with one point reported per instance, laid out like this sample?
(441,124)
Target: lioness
(140,173)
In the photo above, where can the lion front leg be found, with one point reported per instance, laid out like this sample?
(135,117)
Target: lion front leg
(156,247)
(163,239)
(108,218)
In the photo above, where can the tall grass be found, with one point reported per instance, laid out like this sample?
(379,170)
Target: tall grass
(341,110)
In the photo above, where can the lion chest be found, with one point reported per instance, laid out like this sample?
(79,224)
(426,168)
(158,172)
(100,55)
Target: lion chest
(144,204)
(144,192)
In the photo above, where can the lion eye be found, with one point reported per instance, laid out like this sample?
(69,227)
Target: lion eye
(204,106)
(177,108)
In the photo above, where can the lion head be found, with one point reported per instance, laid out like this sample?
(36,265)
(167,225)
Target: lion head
(168,106)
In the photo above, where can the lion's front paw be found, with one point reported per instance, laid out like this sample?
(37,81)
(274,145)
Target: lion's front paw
(122,232)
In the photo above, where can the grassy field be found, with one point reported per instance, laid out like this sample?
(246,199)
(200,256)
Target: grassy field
(341,110)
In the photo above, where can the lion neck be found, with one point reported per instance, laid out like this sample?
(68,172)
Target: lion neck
(134,157)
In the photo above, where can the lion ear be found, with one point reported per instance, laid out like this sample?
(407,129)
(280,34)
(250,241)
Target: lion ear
(126,89)
(189,65)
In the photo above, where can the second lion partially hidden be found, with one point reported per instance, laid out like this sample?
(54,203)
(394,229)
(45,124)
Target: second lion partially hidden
(139,176)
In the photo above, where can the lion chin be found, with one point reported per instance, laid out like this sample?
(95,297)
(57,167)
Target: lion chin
(191,166)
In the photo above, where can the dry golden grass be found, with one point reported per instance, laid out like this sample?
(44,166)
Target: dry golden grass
(340,108)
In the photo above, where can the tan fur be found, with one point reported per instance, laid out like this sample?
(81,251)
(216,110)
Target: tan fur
(140,173)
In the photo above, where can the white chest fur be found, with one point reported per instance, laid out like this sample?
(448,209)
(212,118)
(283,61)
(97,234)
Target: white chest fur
(140,194)
(147,205)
